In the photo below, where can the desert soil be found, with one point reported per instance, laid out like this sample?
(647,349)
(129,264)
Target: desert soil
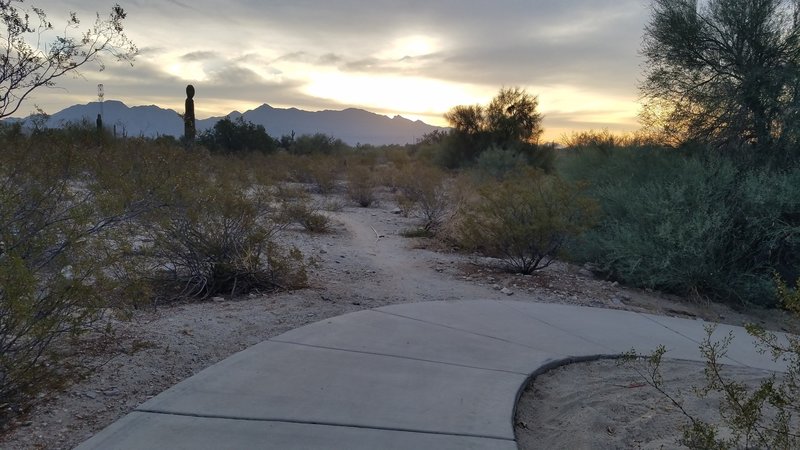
(362,263)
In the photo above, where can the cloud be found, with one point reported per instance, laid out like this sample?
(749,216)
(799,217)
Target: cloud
(199,56)
(329,59)
(254,51)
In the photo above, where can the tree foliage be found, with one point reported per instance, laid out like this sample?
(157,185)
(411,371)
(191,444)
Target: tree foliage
(237,135)
(724,72)
(34,53)
(510,121)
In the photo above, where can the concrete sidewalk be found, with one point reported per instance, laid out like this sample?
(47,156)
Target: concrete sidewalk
(439,375)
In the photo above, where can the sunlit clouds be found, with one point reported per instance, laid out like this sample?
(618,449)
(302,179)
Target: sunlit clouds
(415,59)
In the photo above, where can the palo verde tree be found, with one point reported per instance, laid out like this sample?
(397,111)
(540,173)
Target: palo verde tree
(509,122)
(726,73)
(34,53)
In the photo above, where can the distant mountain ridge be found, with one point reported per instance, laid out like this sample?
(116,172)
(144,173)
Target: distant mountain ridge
(351,125)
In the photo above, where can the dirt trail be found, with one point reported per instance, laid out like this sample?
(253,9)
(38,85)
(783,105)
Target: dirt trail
(405,273)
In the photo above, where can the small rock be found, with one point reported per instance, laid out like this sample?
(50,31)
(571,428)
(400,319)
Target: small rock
(356,303)
(323,251)
(217,299)
(497,287)
(396,211)
(614,284)
(507,291)
(90,394)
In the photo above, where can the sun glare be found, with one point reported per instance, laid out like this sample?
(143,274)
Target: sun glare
(414,95)
(187,71)
(409,46)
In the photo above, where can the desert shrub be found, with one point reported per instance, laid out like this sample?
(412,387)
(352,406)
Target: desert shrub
(62,201)
(398,157)
(754,416)
(691,226)
(525,221)
(303,212)
(361,185)
(323,172)
(422,189)
(318,170)
(417,233)
(218,238)
(237,135)
(321,143)
(496,163)
(89,222)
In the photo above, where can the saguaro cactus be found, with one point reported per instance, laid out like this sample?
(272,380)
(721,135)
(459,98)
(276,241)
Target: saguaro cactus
(189,128)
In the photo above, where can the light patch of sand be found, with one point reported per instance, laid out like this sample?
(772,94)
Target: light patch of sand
(606,405)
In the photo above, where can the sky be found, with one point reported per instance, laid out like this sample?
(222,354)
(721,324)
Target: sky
(411,58)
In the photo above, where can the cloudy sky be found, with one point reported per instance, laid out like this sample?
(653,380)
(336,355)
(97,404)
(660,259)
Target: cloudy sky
(408,57)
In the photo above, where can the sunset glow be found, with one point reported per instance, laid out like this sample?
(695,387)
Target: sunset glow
(390,92)
(581,60)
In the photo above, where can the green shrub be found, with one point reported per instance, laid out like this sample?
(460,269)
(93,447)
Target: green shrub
(308,144)
(323,172)
(525,221)
(60,208)
(690,226)
(304,213)
(422,189)
(497,163)
(90,222)
(361,185)
(238,135)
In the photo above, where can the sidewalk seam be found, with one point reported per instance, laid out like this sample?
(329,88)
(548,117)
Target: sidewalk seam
(409,358)
(499,338)
(329,424)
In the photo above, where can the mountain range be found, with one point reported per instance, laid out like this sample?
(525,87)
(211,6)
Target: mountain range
(353,126)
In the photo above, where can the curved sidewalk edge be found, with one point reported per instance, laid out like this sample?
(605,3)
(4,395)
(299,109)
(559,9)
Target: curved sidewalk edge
(436,375)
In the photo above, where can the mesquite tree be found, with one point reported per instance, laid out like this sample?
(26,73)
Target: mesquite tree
(724,72)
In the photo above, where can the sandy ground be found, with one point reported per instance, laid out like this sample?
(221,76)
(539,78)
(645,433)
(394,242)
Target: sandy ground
(363,263)
(606,405)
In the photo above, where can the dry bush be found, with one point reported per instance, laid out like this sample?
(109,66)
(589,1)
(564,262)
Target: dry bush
(321,171)
(361,185)
(63,198)
(525,221)
(422,189)
(324,173)
(219,238)
(302,211)
(88,222)
(399,158)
